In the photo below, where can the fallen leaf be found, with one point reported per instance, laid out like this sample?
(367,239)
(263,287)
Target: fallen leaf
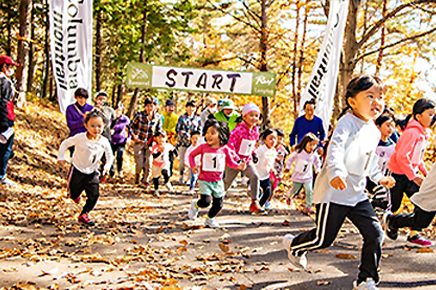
(49,272)
(184,242)
(286,223)
(425,250)
(224,248)
(322,283)
(345,256)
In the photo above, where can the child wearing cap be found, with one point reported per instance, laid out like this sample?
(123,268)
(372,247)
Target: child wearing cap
(243,140)
(169,126)
(7,116)
(187,123)
(227,114)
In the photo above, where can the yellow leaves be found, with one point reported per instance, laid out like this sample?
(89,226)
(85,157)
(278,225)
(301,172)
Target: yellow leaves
(425,250)
(224,248)
(323,283)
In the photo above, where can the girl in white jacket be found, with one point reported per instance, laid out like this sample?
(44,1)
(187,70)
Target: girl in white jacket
(339,191)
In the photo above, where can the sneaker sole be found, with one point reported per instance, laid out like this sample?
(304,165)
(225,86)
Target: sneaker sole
(385,223)
(414,245)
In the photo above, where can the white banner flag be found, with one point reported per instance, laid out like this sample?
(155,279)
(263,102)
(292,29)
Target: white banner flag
(71,47)
(322,81)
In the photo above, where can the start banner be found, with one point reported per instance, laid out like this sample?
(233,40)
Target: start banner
(140,75)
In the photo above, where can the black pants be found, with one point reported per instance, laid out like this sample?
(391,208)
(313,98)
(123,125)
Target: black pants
(418,220)
(79,182)
(265,185)
(156,179)
(118,150)
(172,155)
(329,219)
(217,204)
(402,184)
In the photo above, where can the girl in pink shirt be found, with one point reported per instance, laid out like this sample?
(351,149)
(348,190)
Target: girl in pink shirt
(407,160)
(215,156)
(243,140)
(305,157)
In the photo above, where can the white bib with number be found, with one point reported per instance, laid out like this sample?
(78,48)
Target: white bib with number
(360,153)
(247,147)
(214,162)
(301,166)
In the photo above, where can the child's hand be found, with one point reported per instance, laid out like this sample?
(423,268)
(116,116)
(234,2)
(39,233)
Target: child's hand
(418,180)
(338,183)
(62,162)
(242,166)
(287,170)
(387,181)
(195,170)
(317,172)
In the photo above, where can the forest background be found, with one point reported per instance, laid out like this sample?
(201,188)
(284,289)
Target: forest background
(394,39)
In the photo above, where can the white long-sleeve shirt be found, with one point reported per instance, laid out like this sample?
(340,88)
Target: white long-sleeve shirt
(351,155)
(87,153)
(265,163)
(304,162)
(425,198)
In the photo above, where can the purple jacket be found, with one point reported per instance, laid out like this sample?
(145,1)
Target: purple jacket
(119,130)
(75,119)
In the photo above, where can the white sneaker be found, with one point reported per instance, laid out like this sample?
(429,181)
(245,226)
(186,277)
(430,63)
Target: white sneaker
(211,222)
(120,175)
(169,186)
(8,182)
(156,193)
(193,210)
(368,285)
(299,262)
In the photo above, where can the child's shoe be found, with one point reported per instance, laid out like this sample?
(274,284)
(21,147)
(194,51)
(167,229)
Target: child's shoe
(156,193)
(137,179)
(191,192)
(77,200)
(267,205)
(120,175)
(83,218)
(418,241)
(193,210)
(369,284)
(255,207)
(299,262)
(390,231)
(169,186)
(211,222)
(308,210)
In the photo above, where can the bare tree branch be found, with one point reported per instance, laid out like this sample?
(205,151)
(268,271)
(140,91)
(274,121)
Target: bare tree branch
(396,43)
(388,16)
(253,15)
(235,17)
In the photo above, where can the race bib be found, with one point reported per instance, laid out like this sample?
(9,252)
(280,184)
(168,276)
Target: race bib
(269,159)
(301,166)
(214,162)
(247,147)
(418,153)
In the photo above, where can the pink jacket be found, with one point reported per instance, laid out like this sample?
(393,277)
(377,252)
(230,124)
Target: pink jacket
(409,151)
(243,140)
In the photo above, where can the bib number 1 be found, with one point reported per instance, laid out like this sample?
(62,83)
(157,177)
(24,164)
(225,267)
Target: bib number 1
(214,162)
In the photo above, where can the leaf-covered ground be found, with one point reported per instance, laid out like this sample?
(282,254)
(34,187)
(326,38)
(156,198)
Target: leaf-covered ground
(143,242)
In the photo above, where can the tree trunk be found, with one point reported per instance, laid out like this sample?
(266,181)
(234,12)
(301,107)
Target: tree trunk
(23,49)
(46,52)
(301,58)
(263,64)
(382,40)
(294,61)
(120,94)
(134,100)
(349,56)
(98,50)
(32,61)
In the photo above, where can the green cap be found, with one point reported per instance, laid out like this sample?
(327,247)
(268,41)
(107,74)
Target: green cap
(227,104)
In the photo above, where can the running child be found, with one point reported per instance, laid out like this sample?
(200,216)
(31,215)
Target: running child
(306,158)
(243,140)
(215,155)
(423,213)
(195,136)
(279,163)
(160,165)
(266,155)
(340,187)
(408,160)
(83,174)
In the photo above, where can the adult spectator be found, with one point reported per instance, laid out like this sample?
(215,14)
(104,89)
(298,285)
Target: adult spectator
(142,128)
(75,114)
(109,113)
(227,113)
(308,123)
(119,128)
(7,115)
(169,126)
(210,104)
(187,123)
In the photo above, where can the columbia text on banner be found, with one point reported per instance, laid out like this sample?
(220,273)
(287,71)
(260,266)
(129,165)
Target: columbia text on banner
(140,75)
(71,47)
(323,79)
